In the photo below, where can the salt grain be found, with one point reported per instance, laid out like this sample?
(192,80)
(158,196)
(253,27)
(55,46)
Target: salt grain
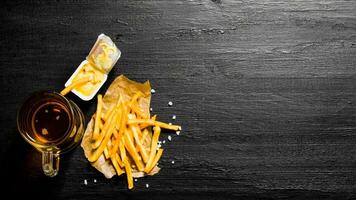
(174,117)
(94,180)
(164,141)
(170,103)
(173,162)
(169,138)
(46,111)
(151,109)
(170,123)
(85,182)
(177,132)
(135,179)
(153,91)
(147,185)
(57,118)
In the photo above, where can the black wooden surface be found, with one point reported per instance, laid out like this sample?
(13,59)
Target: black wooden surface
(265,92)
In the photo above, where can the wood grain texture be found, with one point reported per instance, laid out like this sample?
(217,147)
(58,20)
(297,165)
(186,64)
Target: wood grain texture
(265,92)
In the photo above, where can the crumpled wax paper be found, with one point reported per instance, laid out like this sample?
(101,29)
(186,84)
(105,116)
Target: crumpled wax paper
(127,89)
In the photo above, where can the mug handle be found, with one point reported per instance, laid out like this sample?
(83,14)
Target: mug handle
(50,163)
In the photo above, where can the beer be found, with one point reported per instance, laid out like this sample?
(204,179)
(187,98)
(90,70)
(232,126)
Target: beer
(50,122)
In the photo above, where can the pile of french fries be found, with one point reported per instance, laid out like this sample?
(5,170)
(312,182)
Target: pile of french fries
(123,133)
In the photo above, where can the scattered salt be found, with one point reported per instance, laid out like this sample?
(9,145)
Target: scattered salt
(170,103)
(147,185)
(153,91)
(151,109)
(57,118)
(169,138)
(85,182)
(174,117)
(135,179)
(46,111)
(177,132)
(164,141)
(94,180)
(173,162)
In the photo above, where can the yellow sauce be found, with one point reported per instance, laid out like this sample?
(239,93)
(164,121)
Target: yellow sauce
(97,76)
(102,60)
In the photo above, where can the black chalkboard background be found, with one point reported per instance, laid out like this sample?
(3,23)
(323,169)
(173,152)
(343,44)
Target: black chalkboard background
(265,92)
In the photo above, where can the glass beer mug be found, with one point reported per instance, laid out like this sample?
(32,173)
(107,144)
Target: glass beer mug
(52,124)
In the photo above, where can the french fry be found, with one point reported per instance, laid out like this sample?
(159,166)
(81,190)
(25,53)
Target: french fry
(108,124)
(116,166)
(142,126)
(108,112)
(128,174)
(155,160)
(137,95)
(144,135)
(167,126)
(97,117)
(151,122)
(114,161)
(113,154)
(142,151)
(157,131)
(133,116)
(119,161)
(123,119)
(101,125)
(122,128)
(122,150)
(119,119)
(106,150)
(76,84)
(118,123)
(106,153)
(115,143)
(94,156)
(143,138)
(138,111)
(132,151)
